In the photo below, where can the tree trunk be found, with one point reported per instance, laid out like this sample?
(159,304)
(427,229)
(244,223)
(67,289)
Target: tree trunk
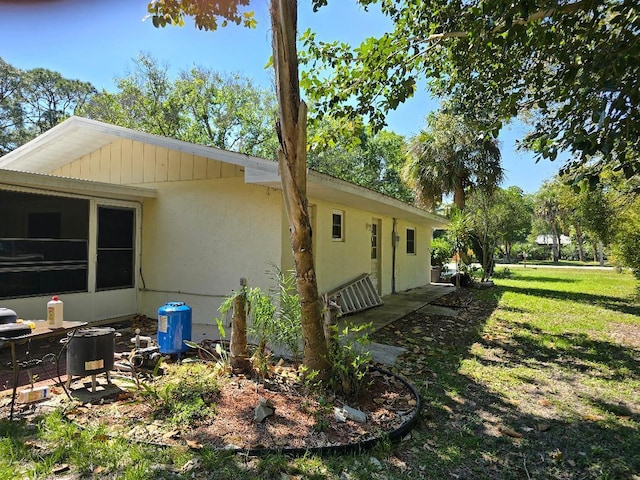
(292,132)
(459,197)
(239,355)
(580,240)
(555,238)
(601,253)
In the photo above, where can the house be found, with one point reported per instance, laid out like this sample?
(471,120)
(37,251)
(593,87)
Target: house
(119,222)
(548,240)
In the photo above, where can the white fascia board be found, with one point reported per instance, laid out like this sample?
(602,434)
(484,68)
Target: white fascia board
(266,175)
(334,189)
(50,183)
(331,189)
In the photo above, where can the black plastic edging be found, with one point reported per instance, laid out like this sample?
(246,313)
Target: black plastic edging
(355,447)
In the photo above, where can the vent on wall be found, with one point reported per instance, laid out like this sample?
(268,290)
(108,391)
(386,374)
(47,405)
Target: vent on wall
(356,295)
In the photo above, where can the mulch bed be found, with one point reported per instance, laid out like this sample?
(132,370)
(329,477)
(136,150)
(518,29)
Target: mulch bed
(303,419)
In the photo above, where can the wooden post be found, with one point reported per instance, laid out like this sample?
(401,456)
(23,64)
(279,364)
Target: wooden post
(239,354)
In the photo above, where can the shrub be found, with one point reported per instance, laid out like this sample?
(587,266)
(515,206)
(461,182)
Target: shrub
(441,251)
(350,359)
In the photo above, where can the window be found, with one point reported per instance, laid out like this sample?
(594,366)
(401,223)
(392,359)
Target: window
(411,241)
(44,245)
(374,241)
(337,225)
(115,248)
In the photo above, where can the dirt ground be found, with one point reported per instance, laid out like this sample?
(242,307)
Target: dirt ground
(302,419)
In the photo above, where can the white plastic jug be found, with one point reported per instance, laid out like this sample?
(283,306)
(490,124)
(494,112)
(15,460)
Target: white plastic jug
(55,313)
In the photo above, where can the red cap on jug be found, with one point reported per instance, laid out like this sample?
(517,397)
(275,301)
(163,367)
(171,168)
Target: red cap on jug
(55,299)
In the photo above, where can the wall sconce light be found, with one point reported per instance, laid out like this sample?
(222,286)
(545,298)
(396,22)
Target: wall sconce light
(368,226)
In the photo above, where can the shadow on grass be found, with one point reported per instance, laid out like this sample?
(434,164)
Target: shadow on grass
(518,276)
(610,303)
(573,351)
(501,415)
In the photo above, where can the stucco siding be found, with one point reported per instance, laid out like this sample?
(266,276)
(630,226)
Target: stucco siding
(414,268)
(200,237)
(338,261)
(130,162)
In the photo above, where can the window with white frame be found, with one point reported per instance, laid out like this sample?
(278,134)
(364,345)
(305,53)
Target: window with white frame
(337,225)
(411,241)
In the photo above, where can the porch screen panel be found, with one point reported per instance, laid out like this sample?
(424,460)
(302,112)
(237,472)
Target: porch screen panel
(115,269)
(43,244)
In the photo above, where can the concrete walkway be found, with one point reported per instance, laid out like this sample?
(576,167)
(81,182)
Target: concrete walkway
(399,305)
(396,307)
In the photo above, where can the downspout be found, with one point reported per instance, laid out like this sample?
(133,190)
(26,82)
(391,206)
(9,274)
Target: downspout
(393,256)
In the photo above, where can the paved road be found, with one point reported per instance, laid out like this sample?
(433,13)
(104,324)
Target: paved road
(535,265)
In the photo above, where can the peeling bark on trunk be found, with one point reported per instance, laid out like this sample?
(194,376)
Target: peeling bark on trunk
(292,133)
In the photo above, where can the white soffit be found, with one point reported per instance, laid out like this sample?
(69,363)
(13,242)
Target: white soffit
(77,137)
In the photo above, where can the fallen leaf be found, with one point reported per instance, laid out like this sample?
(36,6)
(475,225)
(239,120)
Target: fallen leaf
(171,434)
(194,445)
(593,418)
(60,468)
(98,470)
(544,402)
(543,427)
(511,433)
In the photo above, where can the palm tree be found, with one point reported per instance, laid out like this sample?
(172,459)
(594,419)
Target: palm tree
(449,156)
(548,209)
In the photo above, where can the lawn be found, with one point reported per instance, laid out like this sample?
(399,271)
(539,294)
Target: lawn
(537,377)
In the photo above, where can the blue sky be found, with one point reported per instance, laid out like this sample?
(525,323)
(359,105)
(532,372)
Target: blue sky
(95,41)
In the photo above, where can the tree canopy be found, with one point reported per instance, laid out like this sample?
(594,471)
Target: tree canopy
(570,65)
(33,101)
(359,155)
(449,156)
(199,106)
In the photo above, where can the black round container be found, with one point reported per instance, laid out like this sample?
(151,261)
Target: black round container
(90,351)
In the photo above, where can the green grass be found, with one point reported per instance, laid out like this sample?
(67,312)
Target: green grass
(542,383)
(540,379)
(560,263)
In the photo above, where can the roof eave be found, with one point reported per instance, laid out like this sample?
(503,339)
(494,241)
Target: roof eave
(54,184)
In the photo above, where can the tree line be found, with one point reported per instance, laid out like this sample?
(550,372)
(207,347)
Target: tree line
(199,105)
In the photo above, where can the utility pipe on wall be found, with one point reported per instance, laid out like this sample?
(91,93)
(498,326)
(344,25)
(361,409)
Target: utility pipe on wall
(394,241)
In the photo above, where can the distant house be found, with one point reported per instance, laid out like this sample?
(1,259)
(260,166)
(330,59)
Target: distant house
(548,240)
(118,222)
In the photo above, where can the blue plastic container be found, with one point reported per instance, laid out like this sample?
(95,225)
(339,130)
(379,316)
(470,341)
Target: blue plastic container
(174,326)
